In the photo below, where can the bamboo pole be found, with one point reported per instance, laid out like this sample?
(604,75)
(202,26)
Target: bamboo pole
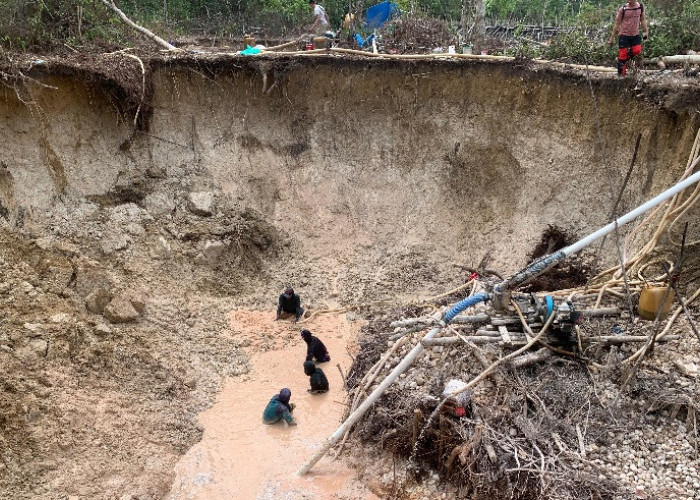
(516,339)
(281,46)
(463,320)
(371,399)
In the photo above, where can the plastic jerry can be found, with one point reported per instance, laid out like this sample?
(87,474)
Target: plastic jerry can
(650,302)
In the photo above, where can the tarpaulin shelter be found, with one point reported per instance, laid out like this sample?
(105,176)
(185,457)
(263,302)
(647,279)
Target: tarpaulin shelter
(378,14)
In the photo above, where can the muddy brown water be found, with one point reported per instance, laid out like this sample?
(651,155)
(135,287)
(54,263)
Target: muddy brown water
(240,457)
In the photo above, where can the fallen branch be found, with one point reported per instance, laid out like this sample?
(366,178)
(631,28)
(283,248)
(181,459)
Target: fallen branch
(282,46)
(148,34)
(667,328)
(685,310)
(679,59)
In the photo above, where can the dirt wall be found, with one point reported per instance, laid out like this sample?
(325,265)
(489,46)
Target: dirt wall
(450,158)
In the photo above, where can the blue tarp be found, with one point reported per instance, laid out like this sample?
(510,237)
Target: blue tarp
(378,14)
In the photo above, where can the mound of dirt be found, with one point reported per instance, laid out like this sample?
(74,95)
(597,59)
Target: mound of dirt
(573,272)
(418,35)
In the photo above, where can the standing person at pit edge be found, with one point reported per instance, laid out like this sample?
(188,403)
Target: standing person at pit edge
(289,304)
(321,23)
(627,22)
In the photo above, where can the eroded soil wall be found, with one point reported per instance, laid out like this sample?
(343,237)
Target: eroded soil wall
(450,158)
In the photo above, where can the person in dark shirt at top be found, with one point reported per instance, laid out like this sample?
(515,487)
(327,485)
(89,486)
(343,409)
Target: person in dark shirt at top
(289,304)
(318,380)
(314,348)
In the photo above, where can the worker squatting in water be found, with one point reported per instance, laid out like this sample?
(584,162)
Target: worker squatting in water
(280,409)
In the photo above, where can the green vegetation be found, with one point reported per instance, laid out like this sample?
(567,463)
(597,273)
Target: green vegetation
(585,24)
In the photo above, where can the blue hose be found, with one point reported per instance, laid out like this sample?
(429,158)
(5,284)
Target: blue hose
(464,304)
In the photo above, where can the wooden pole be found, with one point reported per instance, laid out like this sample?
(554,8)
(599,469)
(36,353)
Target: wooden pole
(371,399)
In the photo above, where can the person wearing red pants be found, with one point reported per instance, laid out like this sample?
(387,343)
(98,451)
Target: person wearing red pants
(629,17)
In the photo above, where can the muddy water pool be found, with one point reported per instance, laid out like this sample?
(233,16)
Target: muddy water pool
(239,457)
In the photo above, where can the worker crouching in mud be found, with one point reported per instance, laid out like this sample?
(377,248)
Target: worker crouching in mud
(279,408)
(289,304)
(315,348)
(318,380)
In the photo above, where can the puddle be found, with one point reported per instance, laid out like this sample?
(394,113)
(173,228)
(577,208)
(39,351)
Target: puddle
(241,458)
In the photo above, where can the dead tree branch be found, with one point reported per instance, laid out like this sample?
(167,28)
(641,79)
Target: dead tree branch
(148,34)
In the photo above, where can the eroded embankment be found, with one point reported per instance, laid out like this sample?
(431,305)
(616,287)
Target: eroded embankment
(426,155)
(351,180)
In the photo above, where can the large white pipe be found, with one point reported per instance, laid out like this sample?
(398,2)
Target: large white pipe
(543,264)
(669,193)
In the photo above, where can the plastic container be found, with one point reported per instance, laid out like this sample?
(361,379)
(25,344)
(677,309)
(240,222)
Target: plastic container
(466,49)
(650,302)
(309,46)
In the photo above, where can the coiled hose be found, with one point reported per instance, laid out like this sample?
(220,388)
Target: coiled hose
(464,304)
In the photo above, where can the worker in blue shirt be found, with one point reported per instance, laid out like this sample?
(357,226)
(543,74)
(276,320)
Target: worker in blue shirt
(279,408)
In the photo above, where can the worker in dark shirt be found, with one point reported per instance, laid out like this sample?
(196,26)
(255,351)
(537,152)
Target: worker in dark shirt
(318,380)
(314,348)
(289,304)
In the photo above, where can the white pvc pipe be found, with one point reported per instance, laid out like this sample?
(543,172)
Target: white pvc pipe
(629,216)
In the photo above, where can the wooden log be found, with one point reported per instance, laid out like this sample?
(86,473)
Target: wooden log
(623,339)
(460,320)
(468,320)
(679,59)
(282,46)
(531,358)
(596,313)
(488,333)
(505,335)
(478,340)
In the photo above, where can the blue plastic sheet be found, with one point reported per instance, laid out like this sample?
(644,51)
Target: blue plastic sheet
(378,14)
(249,51)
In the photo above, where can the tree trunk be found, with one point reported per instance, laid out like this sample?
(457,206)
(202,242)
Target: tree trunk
(463,21)
(479,26)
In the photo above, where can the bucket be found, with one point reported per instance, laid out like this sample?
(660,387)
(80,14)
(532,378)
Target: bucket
(320,42)
(309,46)
(466,49)
(650,302)
(249,41)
